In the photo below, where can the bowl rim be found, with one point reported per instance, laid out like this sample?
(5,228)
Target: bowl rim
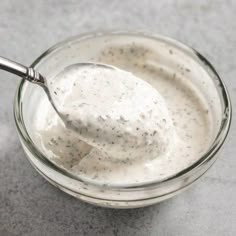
(205,158)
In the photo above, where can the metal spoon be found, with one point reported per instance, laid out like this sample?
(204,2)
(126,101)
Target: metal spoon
(103,121)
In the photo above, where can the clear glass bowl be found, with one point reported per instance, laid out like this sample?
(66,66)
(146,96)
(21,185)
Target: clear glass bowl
(82,48)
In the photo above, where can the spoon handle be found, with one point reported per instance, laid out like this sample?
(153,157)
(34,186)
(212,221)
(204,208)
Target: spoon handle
(27,73)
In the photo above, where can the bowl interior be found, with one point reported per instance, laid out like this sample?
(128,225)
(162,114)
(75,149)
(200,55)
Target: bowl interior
(88,47)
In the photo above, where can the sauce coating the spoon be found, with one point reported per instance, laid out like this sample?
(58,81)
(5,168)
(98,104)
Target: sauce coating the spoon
(114,111)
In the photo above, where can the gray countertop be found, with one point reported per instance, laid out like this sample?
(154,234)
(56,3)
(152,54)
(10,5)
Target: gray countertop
(31,206)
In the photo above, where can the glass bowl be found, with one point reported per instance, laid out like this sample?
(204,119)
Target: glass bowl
(82,48)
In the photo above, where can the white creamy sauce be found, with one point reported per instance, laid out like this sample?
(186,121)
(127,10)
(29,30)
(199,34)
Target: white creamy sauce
(113,111)
(126,130)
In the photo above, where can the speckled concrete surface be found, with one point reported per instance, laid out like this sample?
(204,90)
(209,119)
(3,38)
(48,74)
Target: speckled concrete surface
(31,206)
